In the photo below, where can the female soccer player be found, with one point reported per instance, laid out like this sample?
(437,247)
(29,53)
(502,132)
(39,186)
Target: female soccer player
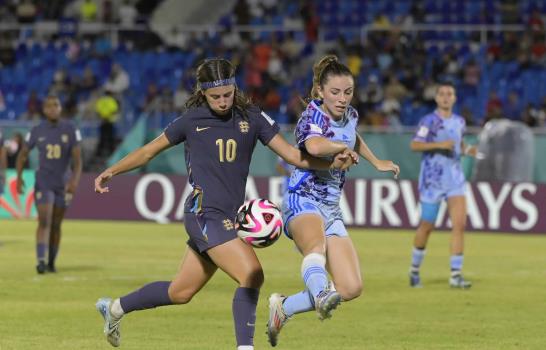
(311,209)
(220,129)
(58,144)
(440,137)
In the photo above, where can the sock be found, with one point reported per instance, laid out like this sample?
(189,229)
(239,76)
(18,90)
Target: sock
(456,262)
(314,273)
(244,315)
(148,297)
(53,250)
(40,251)
(245,347)
(417,256)
(116,310)
(298,303)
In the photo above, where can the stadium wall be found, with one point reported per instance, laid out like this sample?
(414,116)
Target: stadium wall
(381,203)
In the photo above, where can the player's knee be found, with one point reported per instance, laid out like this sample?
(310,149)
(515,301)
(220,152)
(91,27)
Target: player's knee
(254,278)
(350,291)
(181,296)
(43,223)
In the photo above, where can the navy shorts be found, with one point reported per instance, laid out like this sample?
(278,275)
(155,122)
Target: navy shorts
(57,197)
(207,230)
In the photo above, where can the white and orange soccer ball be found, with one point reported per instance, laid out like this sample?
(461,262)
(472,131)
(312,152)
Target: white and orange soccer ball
(260,223)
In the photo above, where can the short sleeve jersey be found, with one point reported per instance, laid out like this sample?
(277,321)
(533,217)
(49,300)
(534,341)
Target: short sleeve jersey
(218,150)
(323,186)
(441,170)
(54,142)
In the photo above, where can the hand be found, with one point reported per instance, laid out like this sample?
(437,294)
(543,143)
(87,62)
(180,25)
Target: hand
(471,151)
(447,145)
(101,180)
(70,187)
(20,185)
(343,160)
(387,165)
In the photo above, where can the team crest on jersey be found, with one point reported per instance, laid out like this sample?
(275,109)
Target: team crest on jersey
(228,224)
(244,127)
(64,138)
(38,195)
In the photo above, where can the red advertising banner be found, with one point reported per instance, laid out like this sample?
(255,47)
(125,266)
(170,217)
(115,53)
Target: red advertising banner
(502,207)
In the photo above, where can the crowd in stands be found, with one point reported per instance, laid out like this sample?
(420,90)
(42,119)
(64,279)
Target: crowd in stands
(395,69)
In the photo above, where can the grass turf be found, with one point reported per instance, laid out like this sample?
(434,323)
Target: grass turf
(505,309)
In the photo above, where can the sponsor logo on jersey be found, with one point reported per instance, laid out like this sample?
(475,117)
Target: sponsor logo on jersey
(64,138)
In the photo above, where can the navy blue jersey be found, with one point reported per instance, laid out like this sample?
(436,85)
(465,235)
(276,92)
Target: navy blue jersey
(218,151)
(54,143)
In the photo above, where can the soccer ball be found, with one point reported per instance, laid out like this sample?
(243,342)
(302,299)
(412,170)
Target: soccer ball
(260,223)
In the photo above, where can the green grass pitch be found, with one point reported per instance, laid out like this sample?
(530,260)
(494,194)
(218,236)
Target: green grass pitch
(505,309)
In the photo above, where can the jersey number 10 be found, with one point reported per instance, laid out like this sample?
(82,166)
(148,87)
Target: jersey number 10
(229,152)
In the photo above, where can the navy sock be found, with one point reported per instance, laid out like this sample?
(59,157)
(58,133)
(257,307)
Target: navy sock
(244,314)
(52,255)
(148,297)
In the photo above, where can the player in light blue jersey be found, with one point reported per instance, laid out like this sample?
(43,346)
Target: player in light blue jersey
(311,209)
(3,163)
(440,137)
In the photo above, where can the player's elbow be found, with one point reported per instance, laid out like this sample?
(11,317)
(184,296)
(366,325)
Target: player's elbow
(314,149)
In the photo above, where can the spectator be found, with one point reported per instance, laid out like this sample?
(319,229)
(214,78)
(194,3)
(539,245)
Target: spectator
(107,108)
(34,106)
(13,147)
(181,95)
(127,14)
(513,108)
(151,103)
(88,11)
(26,11)
(471,75)
(118,81)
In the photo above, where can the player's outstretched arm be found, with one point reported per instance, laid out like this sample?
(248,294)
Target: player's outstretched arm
(294,156)
(382,165)
(133,160)
(19,164)
(418,146)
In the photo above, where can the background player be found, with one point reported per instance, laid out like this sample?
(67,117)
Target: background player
(440,137)
(219,129)
(311,209)
(58,144)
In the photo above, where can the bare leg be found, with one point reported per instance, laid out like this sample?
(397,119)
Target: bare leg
(55,236)
(344,267)
(42,234)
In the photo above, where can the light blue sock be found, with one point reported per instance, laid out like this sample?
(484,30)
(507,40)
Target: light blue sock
(298,303)
(314,273)
(417,257)
(456,262)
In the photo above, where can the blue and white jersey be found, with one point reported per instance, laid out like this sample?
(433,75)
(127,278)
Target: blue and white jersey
(323,186)
(440,169)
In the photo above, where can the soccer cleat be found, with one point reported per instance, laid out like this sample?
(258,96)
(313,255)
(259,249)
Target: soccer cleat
(51,268)
(277,318)
(41,267)
(111,324)
(325,302)
(457,281)
(415,280)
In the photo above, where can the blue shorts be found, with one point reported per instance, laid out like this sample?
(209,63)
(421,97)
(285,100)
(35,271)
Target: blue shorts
(294,205)
(207,230)
(58,197)
(430,202)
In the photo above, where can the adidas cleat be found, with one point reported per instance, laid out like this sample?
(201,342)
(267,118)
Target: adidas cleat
(415,280)
(277,318)
(326,302)
(458,281)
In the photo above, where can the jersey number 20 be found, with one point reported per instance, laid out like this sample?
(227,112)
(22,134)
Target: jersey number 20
(227,152)
(53,151)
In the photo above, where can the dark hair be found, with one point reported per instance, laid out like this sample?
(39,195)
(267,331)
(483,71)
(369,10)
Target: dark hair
(447,84)
(323,69)
(211,70)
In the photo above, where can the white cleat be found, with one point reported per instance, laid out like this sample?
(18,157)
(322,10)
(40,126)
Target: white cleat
(457,281)
(111,324)
(327,301)
(277,318)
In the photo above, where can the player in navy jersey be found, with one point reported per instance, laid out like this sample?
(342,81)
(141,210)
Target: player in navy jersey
(311,211)
(58,144)
(440,137)
(219,129)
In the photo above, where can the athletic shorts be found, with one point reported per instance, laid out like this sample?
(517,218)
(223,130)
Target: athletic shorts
(430,202)
(294,205)
(208,230)
(58,197)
